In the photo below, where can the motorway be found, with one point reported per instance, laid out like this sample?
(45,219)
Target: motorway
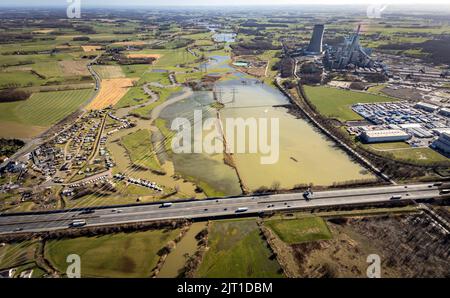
(211,208)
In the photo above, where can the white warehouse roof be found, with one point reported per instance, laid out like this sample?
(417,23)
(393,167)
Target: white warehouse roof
(385,133)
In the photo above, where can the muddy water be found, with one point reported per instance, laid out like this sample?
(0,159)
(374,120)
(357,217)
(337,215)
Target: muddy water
(123,163)
(305,155)
(207,168)
(187,246)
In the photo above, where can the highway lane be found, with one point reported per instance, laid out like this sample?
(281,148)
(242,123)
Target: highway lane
(213,208)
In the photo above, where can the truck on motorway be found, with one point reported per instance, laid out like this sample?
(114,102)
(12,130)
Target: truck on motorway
(78,223)
(166,205)
(242,209)
(396,197)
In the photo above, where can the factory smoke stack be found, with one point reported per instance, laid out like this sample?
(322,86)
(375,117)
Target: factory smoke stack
(315,45)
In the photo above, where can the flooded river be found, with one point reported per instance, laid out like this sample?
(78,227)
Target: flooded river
(186,247)
(305,156)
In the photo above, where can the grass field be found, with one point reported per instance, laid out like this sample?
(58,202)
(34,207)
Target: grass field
(133,97)
(115,255)
(238,251)
(169,58)
(419,155)
(300,230)
(41,109)
(135,70)
(140,149)
(389,146)
(336,103)
(109,71)
(136,95)
(19,79)
(163,93)
(17,254)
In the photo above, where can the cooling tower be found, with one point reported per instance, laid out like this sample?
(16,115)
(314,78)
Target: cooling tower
(315,45)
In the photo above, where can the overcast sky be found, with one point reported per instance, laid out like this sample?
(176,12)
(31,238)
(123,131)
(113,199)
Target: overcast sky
(210,2)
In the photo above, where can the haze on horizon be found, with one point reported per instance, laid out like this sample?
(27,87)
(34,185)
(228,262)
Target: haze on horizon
(130,3)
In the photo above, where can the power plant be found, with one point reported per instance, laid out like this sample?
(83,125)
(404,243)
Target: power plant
(316,44)
(350,54)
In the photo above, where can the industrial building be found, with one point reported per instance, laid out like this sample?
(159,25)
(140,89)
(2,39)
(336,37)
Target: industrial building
(350,54)
(385,135)
(316,44)
(426,107)
(443,143)
(445,112)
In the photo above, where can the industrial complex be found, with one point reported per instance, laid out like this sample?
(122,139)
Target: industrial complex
(420,124)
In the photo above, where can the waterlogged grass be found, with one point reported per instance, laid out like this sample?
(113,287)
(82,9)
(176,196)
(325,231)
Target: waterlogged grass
(116,255)
(140,149)
(163,94)
(336,103)
(168,134)
(300,230)
(133,97)
(237,250)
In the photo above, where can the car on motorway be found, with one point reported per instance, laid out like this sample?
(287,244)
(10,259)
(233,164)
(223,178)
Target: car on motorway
(166,205)
(88,211)
(78,223)
(307,195)
(445,191)
(18,229)
(242,209)
(396,197)
(438,184)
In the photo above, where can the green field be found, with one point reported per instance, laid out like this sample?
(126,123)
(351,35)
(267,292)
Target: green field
(44,108)
(109,71)
(116,255)
(237,250)
(12,255)
(388,146)
(293,231)
(16,79)
(140,149)
(163,93)
(336,103)
(133,97)
(169,58)
(420,156)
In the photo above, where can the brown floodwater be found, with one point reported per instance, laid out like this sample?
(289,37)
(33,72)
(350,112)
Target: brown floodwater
(305,155)
(186,247)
